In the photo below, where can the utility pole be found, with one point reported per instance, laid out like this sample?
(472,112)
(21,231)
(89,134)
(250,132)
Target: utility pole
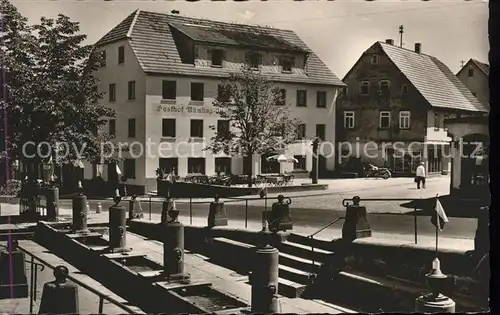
(401,31)
(462,63)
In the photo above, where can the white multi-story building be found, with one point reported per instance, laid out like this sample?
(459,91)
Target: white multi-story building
(162,73)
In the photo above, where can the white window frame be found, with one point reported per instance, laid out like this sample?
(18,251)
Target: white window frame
(404,115)
(364,83)
(352,116)
(384,114)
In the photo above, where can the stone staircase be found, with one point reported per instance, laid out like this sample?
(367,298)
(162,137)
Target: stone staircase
(296,268)
(303,265)
(378,287)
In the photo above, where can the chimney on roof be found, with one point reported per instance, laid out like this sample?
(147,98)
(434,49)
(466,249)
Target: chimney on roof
(418,48)
(390,41)
(175,12)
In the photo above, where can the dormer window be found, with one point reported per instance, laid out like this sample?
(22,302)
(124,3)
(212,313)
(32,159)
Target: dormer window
(254,60)
(374,60)
(217,56)
(286,64)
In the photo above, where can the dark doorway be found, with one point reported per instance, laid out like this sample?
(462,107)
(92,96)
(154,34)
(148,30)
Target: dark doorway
(269,167)
(169,165)
(70,177)
(474,181)
(112,174)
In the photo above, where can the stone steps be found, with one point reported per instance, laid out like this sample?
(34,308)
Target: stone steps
(305,251)
(299,263)
(292,282)
(317,241)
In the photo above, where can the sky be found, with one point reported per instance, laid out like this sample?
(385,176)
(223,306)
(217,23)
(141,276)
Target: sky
(337,31)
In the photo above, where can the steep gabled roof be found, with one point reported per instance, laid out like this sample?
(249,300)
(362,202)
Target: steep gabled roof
(119,32)
(149,35)
(433,79)
(481,65)
(484,67)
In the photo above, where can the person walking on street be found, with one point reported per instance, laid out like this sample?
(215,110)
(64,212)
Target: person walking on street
(420,175)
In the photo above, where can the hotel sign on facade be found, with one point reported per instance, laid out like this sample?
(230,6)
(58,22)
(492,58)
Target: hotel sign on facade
(186,110)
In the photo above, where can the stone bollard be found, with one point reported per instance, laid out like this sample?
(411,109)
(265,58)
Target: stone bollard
(264,280)
(435,302)
(118,229)
(13,281)
(59,296)
(98,207)
(217,213)
(356,224)
(80,213)
(279,218)
(52,197)
(173,249)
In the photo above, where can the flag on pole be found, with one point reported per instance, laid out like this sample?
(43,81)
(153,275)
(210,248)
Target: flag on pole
(439,216)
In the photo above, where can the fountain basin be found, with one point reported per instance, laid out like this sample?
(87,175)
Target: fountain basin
(91,240)
(137,264)
(208,299)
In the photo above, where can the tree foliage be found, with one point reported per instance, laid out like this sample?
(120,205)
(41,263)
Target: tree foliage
(52,92)
(257,124)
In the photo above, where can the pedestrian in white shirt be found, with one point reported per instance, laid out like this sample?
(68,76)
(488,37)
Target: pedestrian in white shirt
(420,175)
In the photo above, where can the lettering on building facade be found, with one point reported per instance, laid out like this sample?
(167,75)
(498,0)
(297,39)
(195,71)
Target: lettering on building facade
(187,110)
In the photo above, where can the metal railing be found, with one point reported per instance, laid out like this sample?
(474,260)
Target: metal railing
(245,202)
(316,233)
(41,264)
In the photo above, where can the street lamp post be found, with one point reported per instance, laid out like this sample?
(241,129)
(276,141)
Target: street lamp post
(315,145)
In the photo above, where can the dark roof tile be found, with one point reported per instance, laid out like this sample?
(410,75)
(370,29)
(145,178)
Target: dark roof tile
(433,79)
(118,32)
(153,44)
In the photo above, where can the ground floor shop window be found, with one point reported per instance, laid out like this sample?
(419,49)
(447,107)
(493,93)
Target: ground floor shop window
(223,165)
(169,165)
(301,164)
(434,158)
(402,162)
(196,166)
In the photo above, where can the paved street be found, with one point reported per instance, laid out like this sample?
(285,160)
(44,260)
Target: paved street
(324,206)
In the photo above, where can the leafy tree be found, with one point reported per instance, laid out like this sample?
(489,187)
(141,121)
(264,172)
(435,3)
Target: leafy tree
(52,92)
(256,123)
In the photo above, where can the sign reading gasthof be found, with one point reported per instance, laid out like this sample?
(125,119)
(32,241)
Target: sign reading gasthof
(173,109)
